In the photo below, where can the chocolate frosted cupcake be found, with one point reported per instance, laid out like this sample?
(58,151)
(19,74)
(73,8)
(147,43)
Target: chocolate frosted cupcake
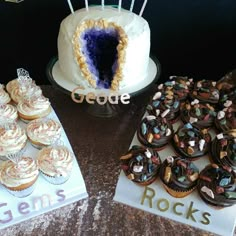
(19,177)
(217,186)
(182,86)
(191,142)
(179,176)
(201,114)
(206,91)
(226,118)
(223,149)
(154,132)
(166,105)
(141,165)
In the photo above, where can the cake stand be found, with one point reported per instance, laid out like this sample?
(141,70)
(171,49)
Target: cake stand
(57,79)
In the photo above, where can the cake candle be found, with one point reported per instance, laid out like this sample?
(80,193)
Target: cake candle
(119,7)
(103,4)
(86,5)
(143,7)
(132,5)
(70,6)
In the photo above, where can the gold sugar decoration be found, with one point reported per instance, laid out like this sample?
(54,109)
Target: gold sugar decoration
(81,60)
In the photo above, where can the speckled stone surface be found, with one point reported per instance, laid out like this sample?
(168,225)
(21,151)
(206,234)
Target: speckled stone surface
(98,143)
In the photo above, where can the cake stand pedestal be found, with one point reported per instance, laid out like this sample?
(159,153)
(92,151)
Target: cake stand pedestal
(107,110)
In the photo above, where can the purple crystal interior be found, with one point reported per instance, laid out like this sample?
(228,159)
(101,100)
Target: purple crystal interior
(99,48)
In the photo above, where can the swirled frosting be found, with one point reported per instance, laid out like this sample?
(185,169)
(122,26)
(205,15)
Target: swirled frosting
(4,97)
(154,132)
(55,161)
(20,92)
(12,139)
(179,173)
(44,131)
(141,165)
(191,142)
(14,175)
(33,106)
(8,112)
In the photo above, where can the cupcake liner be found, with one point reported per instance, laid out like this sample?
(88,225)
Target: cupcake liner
(178,194)
(22,193)
(57,180)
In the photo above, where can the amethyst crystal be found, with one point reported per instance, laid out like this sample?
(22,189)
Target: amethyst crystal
(100,50)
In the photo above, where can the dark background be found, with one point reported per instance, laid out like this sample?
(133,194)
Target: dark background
(189,37)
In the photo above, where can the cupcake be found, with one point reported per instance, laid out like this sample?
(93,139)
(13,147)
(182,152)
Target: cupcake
(19,177)
(191,142)
(55,163)
(205,91)
(33,108)
(8,113)
(154,132)
(182,86)
(43,132)
(25,90)
(4,96)
(226,118)
(12,138)
(166,104)
(141,165)
(201,114)
(217,186)
(223,149)
(179,176)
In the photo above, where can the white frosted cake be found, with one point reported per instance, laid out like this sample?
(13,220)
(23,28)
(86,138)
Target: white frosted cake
(104,48)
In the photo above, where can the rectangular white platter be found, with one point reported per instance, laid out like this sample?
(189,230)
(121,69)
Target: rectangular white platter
(190,210)
(46,197)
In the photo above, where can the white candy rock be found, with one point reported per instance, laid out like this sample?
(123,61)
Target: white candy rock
(228,103)
(164,113)
(208,191)
(220,136)
(156,96)
(158,112)
(220,115)
(150,117)
(199,84)
(160,86)
(213,83)
(216,94)
(193,119)
(148,154)
(168,132)
(170,159)
(191,143)
(201,144)
(195,101)
(137,168)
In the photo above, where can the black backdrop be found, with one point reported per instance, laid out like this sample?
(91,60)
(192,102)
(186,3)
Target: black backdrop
(189,37)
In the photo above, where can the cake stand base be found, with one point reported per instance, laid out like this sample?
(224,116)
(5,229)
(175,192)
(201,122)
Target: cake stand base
(107,110)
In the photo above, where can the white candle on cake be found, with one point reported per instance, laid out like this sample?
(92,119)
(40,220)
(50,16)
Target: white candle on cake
(103,4)
(70,6)
(119,7)
(132,5)
(143,7)
(86,5)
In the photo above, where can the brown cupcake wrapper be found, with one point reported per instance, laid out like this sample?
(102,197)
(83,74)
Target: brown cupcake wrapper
(176,193)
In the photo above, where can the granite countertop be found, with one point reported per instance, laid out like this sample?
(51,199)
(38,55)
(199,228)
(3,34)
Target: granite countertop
(98,143)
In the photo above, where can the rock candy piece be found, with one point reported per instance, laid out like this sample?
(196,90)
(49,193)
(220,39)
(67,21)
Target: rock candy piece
(208,191)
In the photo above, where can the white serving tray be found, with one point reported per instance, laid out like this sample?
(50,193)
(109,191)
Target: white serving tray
(46,197)
(222,221)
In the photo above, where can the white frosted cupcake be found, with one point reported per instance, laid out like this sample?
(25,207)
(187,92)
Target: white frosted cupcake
(25,90)
(12,139)
(19,177)
(33,108)
(8,112)
(55,163)
(43,132)
(4,96)
(16,83)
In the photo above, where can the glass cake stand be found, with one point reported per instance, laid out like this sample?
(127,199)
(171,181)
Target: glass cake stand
(57,79)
